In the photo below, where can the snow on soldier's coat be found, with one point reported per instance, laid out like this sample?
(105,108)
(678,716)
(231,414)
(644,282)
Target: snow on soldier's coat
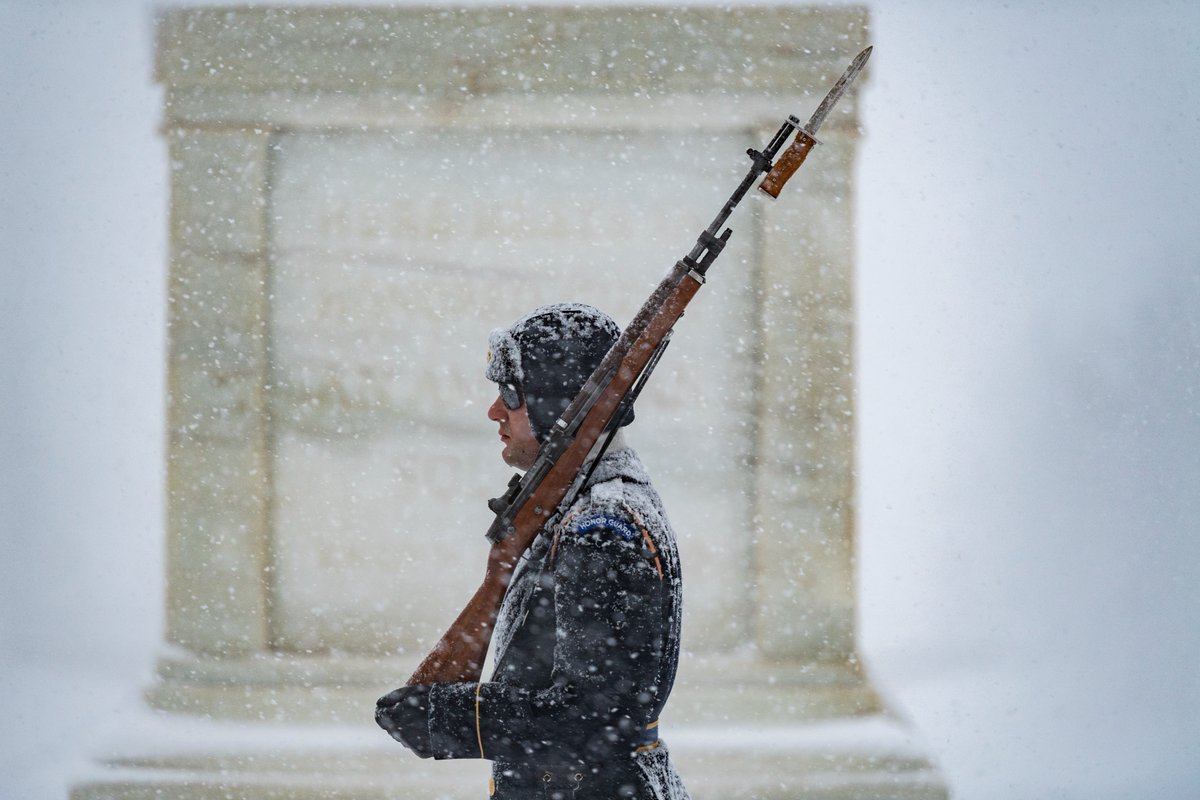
(587,645)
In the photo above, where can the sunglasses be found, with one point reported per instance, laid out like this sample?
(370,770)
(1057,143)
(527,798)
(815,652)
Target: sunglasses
(511,396)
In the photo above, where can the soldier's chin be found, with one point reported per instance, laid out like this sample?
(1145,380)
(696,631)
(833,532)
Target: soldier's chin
(516,459)
(508,456)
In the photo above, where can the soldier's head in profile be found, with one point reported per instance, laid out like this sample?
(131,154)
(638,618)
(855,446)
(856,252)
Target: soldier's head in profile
(540,363)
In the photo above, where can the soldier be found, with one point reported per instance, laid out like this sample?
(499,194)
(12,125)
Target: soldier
(587,638)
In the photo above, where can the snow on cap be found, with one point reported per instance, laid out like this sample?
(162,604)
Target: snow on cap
(549,354)
(503,358)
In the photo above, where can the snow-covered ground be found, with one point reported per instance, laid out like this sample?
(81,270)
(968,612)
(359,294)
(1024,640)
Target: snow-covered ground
(1029,371)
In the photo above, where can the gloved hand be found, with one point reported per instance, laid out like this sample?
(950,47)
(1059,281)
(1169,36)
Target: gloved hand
(404,714)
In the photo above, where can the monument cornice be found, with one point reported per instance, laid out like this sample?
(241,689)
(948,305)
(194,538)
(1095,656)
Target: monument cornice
(476,51)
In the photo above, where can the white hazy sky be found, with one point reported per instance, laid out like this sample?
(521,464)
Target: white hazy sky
(1029,387)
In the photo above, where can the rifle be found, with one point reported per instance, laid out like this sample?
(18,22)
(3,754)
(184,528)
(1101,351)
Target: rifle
(552,482)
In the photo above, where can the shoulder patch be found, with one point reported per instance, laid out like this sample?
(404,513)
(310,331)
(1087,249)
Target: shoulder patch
(595,522)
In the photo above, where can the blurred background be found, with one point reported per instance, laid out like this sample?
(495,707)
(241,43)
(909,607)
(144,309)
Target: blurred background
(1028,371)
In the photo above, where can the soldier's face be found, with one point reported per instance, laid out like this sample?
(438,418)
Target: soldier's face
(520,445)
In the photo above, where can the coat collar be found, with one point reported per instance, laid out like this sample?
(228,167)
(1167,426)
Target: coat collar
(620,463)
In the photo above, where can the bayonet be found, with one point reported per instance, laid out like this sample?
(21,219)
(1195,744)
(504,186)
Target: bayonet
(835,94)
(806,137)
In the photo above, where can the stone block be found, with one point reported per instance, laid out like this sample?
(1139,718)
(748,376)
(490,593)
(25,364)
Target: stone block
(217,349)
(218,191)
(218,499)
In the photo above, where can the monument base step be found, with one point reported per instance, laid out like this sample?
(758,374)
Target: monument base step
(342,689)
(178,758)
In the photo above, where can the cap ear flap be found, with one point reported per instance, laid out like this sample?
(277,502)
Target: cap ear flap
(504,358)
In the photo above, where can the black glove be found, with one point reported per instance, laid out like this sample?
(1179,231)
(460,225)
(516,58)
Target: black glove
(404,714)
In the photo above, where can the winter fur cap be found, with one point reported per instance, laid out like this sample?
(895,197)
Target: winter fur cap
(549,354)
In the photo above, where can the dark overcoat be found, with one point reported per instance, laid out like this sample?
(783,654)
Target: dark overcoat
(586,644)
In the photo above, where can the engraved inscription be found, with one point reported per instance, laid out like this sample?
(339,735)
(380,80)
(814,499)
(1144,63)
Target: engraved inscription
(393,256)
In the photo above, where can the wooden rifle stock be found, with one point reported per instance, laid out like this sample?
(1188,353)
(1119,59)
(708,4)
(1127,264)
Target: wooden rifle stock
(549,486)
